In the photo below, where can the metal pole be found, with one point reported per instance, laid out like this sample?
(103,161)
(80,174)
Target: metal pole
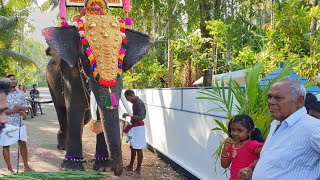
(19,147)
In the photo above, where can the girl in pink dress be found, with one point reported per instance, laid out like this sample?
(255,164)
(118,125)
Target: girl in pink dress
(243,146)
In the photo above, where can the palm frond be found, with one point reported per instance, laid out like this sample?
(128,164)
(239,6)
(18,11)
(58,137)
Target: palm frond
(23,60)
(49,5)
(5,21)
(9,27)
(252,86)
(218,96)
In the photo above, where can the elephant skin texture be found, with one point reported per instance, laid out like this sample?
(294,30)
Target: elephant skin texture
(66,50)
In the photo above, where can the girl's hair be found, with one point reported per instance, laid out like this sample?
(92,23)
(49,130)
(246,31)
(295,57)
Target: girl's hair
(315,106)
(310,99)
(247,122)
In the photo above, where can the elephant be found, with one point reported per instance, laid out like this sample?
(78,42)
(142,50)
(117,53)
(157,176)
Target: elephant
(64,79)
(58,74)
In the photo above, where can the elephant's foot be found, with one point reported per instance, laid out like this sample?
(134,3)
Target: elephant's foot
(117,167)
(102,164)
(61,141)
(72,164)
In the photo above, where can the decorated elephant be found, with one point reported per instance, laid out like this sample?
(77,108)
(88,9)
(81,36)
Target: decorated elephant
(102,63)
(59,74)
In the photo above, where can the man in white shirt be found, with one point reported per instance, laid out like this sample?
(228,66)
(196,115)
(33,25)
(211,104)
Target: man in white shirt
(17,107)
(292,148)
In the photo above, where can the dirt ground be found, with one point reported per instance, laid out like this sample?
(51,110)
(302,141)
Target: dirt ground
(44,156)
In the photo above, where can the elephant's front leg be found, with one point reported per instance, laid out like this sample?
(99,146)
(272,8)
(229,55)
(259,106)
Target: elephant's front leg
(75,105)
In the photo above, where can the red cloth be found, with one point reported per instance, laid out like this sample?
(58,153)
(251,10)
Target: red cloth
(245,156)
(127,129)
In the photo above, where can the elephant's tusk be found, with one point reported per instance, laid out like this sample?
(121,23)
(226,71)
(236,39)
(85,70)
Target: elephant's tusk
(93,106)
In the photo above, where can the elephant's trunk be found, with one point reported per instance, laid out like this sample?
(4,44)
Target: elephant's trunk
(111,125)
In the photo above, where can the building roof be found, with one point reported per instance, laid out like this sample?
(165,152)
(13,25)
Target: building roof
(292,75)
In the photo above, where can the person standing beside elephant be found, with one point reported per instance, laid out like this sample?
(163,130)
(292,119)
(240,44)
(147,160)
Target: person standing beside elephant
(135,131)
(17,107)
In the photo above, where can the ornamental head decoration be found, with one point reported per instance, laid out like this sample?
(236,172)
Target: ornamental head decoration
(104,41)
(103,38)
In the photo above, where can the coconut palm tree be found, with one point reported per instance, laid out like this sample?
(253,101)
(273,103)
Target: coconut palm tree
(11,25)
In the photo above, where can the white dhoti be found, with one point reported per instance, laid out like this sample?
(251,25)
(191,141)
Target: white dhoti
(11,136)
(137,137)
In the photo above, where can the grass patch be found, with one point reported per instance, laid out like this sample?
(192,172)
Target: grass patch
(68,175)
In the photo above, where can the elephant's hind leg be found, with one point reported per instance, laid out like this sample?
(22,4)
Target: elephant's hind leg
(62,133)
(61,136)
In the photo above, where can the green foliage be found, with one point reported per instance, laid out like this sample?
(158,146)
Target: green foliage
(189,49)
(218,95)
(49,5)
(291,25)
(315,12)
(10,26)
(246,58)
(30,74)
(147,73)
(13,16)
(245,32)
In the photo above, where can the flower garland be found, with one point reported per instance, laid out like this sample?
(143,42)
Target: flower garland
(111,101)
(63,13)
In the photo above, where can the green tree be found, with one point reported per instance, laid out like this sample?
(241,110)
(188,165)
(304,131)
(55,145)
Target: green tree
(12,21)
(236,34)
(35,51)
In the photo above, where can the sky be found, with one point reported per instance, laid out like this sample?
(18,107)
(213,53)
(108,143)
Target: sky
(41,20)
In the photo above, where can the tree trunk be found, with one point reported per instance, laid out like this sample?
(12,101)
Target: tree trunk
(313,26)
(170,66)
(207,77)
(189,73)
(215,55)
(272,14)
(205,9)
(170,33)
(217,9)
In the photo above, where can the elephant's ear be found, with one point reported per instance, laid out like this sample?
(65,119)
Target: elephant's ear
(65,41)
(138,45)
